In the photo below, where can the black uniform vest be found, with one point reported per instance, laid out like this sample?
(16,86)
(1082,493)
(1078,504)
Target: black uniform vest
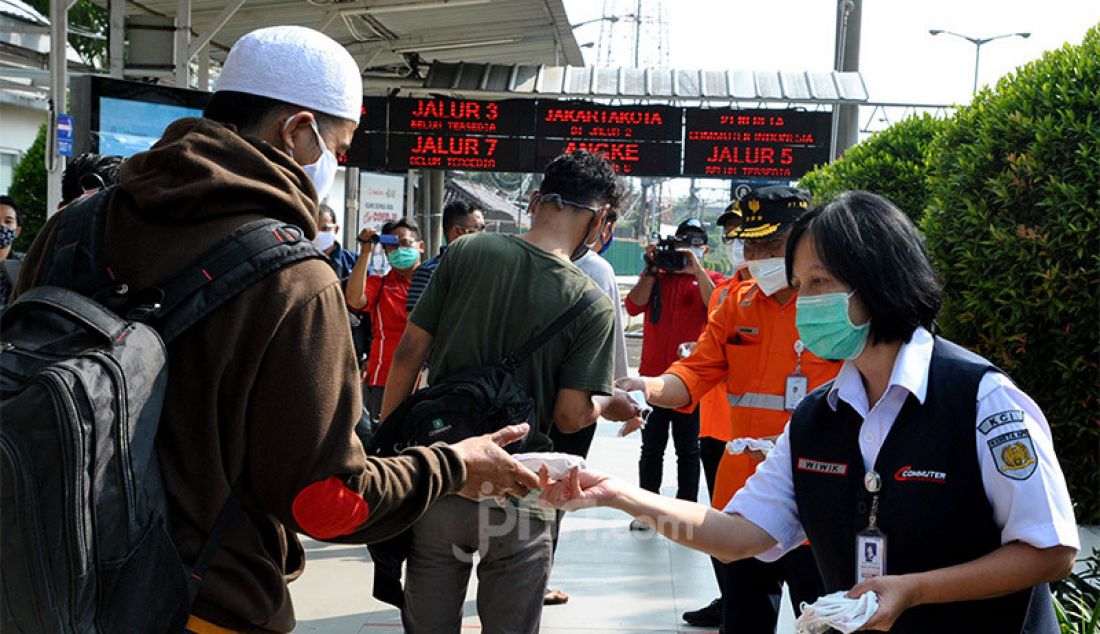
(932,506)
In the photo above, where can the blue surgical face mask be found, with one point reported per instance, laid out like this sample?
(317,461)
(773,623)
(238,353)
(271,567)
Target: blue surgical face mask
(606,245)
(404,258)
(826,328)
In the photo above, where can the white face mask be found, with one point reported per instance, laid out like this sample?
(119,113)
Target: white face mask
(735,251)
(323,171)
(699,253)
(324,240)
(770,274)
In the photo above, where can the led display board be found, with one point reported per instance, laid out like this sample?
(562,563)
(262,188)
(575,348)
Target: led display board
(582,119)
(431,151)
(507,117)
(630,158)
(754,144)
(368,144)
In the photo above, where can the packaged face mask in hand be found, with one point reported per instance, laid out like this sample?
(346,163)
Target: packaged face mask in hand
(557,465)
(837,611)
(741,445)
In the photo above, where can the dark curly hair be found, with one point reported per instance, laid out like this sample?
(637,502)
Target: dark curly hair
(586,178)
(88,171)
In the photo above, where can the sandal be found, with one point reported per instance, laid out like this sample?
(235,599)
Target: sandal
(555,597)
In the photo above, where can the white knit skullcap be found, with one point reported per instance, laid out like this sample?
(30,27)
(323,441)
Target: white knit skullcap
(297,65)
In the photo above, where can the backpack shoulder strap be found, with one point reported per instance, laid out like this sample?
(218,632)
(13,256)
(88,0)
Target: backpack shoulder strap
(9,268)
(76,260)
(521,354)
(253,252)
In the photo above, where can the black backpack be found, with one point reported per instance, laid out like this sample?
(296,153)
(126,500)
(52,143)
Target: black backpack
(471,403)
(84,538)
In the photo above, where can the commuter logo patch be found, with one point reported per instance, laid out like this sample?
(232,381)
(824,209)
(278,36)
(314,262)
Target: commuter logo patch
(1014,454)
(909,474)
(1001,418)
(820,466)
(438,427)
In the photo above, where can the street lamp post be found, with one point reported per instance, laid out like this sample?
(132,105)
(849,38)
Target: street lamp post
(977,42)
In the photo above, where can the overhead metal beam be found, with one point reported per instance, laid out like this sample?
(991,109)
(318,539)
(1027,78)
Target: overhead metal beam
(214,27)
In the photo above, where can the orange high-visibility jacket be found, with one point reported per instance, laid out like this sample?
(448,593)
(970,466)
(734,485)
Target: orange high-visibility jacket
(714,408)
(749,346)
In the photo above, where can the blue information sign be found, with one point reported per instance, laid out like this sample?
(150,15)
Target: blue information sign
(65,134)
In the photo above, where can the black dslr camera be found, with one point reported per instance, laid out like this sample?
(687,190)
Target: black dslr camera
(666,257)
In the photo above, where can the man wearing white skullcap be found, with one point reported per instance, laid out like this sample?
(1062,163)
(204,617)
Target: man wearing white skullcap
(264,391)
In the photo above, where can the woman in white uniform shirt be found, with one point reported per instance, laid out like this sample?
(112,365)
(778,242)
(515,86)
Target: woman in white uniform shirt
(919,447)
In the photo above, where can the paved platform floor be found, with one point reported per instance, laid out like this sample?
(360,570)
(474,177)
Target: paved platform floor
(618,580)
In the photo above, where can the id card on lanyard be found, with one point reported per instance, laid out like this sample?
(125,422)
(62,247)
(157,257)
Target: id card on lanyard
(871,542)
(797,383)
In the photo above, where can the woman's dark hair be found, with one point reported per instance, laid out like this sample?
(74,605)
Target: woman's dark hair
(583,177)
(248,113)
(404,223)
(871,246)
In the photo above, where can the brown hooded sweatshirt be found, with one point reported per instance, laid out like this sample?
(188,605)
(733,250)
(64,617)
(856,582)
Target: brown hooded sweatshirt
(266,385)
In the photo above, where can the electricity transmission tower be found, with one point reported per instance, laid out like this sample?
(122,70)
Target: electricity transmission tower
(633,34)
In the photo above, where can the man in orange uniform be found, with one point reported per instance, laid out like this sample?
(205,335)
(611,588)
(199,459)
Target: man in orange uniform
(751,344)
(714,408)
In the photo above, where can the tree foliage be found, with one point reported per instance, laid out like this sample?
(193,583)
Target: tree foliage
(890,163)
(89,19)
(1012,229)
(28,188)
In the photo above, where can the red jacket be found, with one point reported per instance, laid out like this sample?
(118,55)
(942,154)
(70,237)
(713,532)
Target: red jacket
(683,317)
(386,295)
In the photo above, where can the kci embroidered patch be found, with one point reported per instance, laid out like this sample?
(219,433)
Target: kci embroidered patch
(1014,454)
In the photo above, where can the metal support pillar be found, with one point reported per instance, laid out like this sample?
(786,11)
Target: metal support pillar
(350,222)
(424,207)
(115,37)
(203,77)
(183,43)
(435,211)
(410,194)
(55,164)
(849,18)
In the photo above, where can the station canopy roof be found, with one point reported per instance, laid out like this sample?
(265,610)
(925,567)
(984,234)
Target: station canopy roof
(394,37)
(658,84)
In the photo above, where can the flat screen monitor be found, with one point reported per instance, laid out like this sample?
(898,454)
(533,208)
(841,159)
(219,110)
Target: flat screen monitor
(114,116)
(127,127)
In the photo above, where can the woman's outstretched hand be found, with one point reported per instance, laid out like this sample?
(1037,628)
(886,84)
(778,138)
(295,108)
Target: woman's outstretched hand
(577,490)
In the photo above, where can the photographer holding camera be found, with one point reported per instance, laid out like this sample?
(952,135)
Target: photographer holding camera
(672,292)
(382,298)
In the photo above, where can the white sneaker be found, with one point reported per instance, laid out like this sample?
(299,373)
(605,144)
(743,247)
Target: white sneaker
(639,525)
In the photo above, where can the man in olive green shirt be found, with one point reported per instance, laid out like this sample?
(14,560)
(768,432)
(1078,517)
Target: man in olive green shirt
(490,295)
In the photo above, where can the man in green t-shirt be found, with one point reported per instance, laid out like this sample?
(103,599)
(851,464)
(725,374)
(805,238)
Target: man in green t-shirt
(489,296)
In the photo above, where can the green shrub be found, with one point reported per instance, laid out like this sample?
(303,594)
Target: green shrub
(890,163)
(1012,229)
(1077,598)
(28,188)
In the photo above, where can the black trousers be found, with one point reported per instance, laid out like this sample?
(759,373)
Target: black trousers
(753,589)
(685,437)
(710,455)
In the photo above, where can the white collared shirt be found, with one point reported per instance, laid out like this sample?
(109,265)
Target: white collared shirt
(1035,509)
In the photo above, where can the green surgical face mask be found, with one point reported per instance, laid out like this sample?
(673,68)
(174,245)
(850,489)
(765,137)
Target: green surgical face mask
(826,329)
(404,258)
